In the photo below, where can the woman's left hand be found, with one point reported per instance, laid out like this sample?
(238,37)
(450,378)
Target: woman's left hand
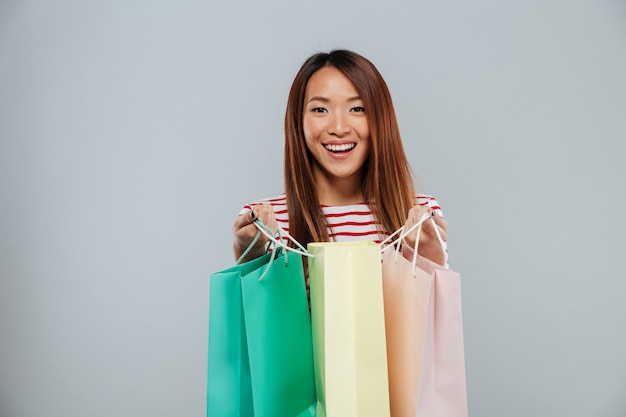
(429,245)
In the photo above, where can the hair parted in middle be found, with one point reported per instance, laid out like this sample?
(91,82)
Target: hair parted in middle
(387,186)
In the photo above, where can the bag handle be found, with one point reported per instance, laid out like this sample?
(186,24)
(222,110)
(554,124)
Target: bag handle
(279,242)
(249,248)
(275,243)
(389,242)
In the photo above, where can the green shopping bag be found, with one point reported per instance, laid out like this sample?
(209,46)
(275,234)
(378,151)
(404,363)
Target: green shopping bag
(260,352)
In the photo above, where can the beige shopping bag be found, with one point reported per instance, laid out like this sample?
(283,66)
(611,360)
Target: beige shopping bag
(407,292)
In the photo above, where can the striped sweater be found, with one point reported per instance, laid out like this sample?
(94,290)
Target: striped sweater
(345,223)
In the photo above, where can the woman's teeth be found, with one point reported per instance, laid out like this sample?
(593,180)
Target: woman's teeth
(340,148)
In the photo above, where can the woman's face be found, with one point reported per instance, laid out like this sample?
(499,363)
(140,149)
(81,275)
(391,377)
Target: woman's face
(335,127)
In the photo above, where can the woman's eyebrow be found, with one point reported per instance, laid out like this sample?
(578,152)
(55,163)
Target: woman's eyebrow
(325,100)
(316,98)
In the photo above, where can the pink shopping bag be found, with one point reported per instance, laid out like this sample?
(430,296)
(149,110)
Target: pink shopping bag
(443,389)
(424,331)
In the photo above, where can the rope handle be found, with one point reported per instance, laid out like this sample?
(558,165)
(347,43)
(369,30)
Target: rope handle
(278,243)
(390,242)
(249,248)
(275,243)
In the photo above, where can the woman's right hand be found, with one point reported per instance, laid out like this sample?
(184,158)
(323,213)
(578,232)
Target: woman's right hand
(245,230)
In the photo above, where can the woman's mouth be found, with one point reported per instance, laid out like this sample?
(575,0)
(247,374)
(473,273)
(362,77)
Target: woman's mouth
(344,147)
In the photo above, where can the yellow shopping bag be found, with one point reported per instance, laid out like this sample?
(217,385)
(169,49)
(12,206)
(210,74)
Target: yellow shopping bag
(349,348)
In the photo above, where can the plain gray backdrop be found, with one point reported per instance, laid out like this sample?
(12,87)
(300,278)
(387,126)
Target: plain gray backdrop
(132,132)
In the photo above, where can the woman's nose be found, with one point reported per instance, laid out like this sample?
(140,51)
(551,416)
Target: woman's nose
(339,126)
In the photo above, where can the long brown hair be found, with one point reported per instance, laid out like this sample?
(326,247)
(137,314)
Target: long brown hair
(388,185)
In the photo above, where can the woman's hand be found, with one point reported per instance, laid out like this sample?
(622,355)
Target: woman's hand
(429,245)
(245,230)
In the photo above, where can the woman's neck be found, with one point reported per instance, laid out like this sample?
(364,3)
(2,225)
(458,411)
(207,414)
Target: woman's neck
(339,191)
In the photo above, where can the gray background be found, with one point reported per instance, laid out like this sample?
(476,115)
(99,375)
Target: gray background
(131,133)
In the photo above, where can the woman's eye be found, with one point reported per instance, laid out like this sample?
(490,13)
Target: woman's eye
(358,109)
(318,110)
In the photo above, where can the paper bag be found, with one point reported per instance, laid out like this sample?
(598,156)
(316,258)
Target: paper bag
(260,359)
(349,347)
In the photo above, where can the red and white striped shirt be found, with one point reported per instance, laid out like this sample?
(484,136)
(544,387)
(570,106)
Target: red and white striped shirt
(345,223)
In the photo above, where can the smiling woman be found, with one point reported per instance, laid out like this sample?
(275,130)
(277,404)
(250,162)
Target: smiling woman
(337,135)
(346,174)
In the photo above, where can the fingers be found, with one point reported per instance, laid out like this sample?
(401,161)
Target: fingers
(243,220)
(427,233)
(414,216)
(442,225)
(245,230)
(265,213)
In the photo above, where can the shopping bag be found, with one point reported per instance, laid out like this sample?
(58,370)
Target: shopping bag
(407,292)
(433,383)
(443,389)
(348,326)
(260,359)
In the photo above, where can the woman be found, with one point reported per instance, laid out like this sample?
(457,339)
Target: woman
(346,174)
